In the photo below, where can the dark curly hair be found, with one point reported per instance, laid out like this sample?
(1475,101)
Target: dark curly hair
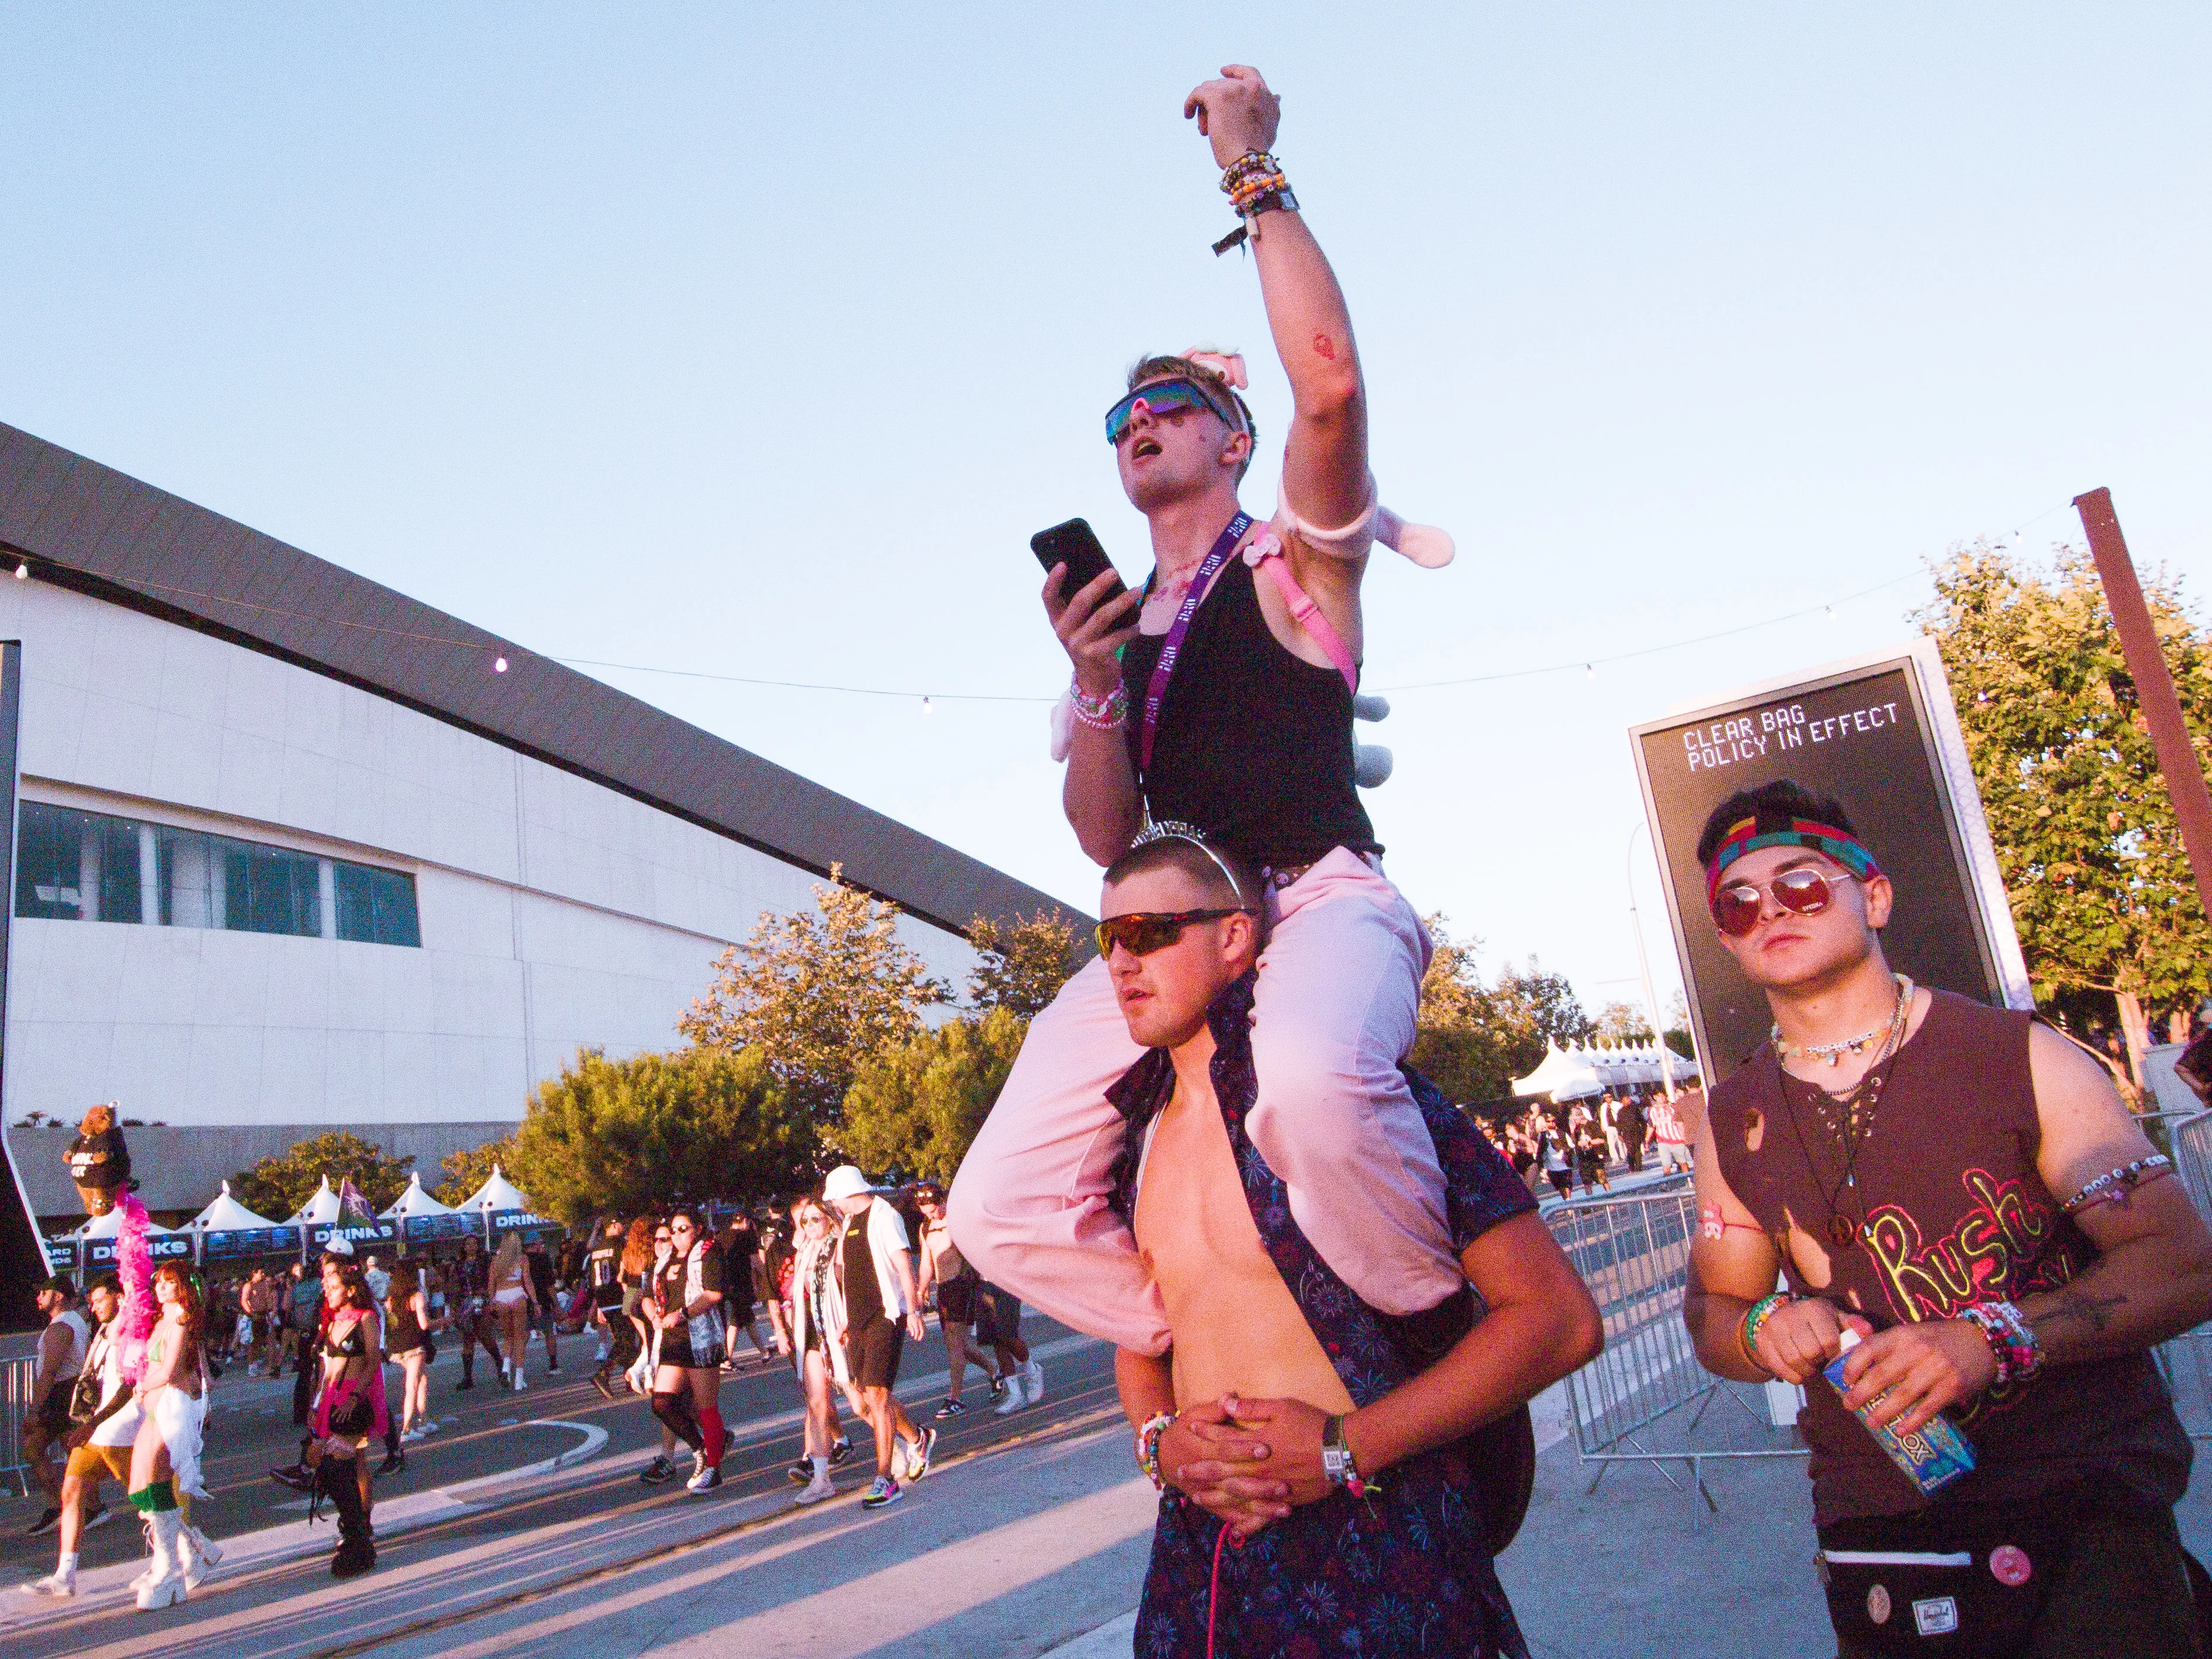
(1773,805)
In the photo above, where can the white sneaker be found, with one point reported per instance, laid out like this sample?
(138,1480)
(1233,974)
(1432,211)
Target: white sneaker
(1015,1399)
(520,1381)
(812,1492)
(1035,1372)
(61,1583)
(427,1427)
(409,1436)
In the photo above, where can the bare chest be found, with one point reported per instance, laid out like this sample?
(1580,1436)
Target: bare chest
(1235,1326)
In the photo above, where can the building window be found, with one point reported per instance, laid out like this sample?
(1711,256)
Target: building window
(90,867)
(375,906)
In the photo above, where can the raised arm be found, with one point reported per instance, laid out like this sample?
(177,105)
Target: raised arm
(1325,456)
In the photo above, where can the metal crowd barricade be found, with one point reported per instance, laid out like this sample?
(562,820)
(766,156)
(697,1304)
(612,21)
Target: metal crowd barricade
(20,1373)
(2186,1360)
(1633,1253)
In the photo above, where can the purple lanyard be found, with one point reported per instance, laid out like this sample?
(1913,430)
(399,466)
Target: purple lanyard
(1156,691)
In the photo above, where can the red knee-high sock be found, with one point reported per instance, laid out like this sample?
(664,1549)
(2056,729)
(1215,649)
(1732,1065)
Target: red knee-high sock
(710,1425)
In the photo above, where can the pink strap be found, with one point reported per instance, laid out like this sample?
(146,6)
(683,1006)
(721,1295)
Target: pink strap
(1267,555)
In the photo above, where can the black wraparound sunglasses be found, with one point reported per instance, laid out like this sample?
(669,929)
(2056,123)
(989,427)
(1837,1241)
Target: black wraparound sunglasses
(1143,931)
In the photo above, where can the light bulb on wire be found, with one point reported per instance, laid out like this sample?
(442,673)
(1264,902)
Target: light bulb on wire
(1589,670)
(499,664)
(928,707)
(22,570)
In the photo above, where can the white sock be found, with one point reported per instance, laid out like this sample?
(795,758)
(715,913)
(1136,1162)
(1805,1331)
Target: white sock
(820,1468)
(67,1566)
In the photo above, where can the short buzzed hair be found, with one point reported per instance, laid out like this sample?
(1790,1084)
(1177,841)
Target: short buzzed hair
(1203,864)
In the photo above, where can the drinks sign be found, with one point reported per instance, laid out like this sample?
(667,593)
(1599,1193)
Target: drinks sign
(1880,735)
(162,1247)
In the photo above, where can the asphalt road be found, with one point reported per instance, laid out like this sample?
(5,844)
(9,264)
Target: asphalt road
(603,1516)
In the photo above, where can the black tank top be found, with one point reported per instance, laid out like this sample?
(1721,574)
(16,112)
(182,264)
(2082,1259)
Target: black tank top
(1255,745)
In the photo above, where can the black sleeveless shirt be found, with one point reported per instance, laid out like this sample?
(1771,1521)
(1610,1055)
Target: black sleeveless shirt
(1948,1210)
(1255,745)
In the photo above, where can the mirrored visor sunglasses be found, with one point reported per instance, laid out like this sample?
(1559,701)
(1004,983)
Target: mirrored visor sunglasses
(1160,397)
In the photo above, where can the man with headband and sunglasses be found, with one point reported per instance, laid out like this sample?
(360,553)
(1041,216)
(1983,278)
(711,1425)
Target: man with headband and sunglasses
(1312,1451)
(1959,1192)
(1219,696)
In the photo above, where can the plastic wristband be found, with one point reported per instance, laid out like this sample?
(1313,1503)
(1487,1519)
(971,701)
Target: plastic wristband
(1338,1464)
(1148,1448)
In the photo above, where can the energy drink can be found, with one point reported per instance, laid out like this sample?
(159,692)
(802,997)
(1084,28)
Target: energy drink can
(1932,1457)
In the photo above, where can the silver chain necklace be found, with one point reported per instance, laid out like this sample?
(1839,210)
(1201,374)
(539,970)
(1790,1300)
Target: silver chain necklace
(1833,1052)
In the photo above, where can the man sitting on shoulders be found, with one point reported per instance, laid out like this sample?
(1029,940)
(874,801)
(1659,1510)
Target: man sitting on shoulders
(1329,1440)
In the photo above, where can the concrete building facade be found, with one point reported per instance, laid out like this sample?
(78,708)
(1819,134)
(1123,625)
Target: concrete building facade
(295,854)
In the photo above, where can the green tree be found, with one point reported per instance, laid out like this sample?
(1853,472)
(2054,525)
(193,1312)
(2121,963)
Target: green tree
(1473,1039)
(2085,838)
(631,1135)
(913,1110)
(1023,967)
(276,1186)
(1622,1022)
(815,991)
(465,1172)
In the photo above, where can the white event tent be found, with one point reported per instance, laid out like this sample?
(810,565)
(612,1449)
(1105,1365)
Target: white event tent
(323,1206)
(497,1193)
(108,1226)
(414,1201)
(1574,1073)
(225,1214)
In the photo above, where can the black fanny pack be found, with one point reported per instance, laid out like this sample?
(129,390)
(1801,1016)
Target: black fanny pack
(84,1398)
(1973,1585)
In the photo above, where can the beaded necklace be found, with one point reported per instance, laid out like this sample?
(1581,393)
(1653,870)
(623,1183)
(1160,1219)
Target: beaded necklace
(1849,1117)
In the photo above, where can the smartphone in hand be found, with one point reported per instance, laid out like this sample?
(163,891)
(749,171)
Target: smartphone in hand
(1074,545)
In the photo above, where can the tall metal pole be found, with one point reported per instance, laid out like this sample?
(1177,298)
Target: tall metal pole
(2169,732)
(1643,968)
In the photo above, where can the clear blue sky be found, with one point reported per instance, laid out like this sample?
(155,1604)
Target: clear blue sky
(699,337)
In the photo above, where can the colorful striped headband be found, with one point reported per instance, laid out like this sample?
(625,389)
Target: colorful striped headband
(1841,845)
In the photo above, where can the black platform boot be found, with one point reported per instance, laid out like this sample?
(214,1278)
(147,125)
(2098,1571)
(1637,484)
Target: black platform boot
(356,1551)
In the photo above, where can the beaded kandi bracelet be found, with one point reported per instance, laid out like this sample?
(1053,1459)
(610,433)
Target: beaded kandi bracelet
(1108,713)
(2012,1340)
(2115,1185)
(1148,1448)
(1255,184)
(1754,1317)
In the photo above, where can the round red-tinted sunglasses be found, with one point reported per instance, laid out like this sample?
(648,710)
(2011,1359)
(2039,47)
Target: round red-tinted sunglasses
(1802,891)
